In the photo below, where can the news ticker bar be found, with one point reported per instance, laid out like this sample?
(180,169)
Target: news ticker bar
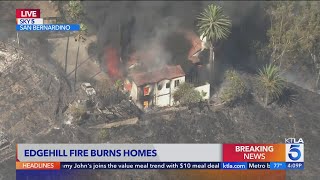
(48,27)
(160,153)
(159,165)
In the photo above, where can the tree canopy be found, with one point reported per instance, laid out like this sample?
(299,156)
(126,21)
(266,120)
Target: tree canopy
(213,24)
(294,34)
(186,94)
(75,11)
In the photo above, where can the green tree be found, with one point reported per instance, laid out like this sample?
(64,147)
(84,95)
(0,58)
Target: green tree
(310,43)
(294,35)
(280,33)
(75,11)
(214,26)
(118,85)
(186,94)
(271,82)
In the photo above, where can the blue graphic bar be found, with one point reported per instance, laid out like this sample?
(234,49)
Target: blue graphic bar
(295,166)
(234,165)
(139,165)
(48,27)
(277,165)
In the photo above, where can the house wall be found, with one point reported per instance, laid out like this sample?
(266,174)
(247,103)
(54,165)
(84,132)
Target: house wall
(205,88)
(163,90)
(173,88)
(149,98)
(163,100)
(134,92)
(162,93)
(164,96)
(159,94)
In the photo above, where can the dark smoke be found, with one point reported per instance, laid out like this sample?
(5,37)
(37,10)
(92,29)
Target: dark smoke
(140,22)
(145,24)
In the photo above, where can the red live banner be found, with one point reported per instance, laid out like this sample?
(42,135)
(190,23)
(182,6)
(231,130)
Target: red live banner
(27,13)
(254,152)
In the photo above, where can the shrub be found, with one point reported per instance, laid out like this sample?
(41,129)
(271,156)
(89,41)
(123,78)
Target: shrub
(77,111)
(186,94)
(79,114)
(103,135)
(235,89)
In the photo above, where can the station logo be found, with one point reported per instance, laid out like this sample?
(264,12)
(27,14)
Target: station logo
(294,150)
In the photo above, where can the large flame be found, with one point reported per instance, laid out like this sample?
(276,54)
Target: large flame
(147,57)
(112,62)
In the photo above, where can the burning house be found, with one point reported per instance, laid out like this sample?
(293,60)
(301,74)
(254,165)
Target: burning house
(196,72)
(154,88)
(152,84)
(153,73)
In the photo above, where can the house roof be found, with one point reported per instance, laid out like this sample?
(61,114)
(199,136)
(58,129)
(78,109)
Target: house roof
(168,72)
(196,45)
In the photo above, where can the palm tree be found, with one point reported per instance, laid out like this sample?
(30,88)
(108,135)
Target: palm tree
(271,82)
(80,37)
(213,26)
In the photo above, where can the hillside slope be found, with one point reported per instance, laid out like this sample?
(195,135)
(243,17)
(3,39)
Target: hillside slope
(33,95)
(246,123)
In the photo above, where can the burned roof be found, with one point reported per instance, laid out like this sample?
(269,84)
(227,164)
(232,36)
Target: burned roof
(168,72)
(195,42)
(196,45)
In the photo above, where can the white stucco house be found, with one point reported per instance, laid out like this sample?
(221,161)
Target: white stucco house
(156,88)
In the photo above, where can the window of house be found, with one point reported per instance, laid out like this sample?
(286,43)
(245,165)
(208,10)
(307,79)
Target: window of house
(176,83)
(168,85)
(159,87)
(146,91)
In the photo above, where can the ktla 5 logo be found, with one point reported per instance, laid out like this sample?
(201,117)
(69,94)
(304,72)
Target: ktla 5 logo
(294,152)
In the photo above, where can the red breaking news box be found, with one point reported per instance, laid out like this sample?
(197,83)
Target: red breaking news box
(27,13)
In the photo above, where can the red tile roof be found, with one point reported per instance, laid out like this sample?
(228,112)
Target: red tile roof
(168,72)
